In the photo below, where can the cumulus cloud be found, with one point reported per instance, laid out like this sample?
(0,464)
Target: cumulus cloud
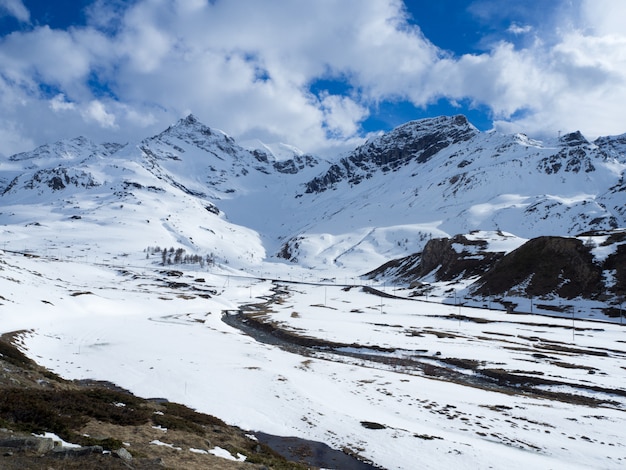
(96,111)
(16,9)
(60,103)
(342,114)
(247,67)
(519,29)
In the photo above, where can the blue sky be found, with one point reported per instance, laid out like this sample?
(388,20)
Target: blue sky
(319,75)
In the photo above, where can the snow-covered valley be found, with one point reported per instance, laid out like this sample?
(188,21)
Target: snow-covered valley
(119,263)
(161,335)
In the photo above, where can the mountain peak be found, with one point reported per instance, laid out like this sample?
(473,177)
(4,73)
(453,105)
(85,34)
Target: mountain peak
(437,131)
(416,141)
(190,119)
(573,139)
(191,122)
(190,128)
(458,120)
(66,149)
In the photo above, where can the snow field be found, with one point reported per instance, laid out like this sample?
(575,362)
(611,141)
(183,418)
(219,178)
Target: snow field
(127,326)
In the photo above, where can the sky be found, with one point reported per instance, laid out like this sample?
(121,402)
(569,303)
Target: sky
(321,75)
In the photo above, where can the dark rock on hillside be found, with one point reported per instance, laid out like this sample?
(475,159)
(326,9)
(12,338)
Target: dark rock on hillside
(54,178)
(575,156)
(39,445)
(613,146)
(616,262)
(295,164)
(448,258)
(546,265)
(573,139)
(414,141)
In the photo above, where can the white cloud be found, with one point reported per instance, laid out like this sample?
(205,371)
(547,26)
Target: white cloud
(246,67)
(583,87)
(342,114)
(59,103)
(63,59)
(519,29)
(12,139)
(96,111)
(603,17)
(16,9)
(573,80)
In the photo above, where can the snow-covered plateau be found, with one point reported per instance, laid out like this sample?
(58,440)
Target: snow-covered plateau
(232,280)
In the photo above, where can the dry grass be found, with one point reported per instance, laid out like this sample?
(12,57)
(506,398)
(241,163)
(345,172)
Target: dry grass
(34,400)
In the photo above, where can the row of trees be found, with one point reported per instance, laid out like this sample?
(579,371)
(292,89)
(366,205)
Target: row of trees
(173,255)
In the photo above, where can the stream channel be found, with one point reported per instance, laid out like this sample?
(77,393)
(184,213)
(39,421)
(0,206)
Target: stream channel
(317,454)
(250,320)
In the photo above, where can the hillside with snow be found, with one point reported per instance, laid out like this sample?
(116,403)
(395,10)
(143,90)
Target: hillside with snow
(430,178)
(403,279)
(194,188)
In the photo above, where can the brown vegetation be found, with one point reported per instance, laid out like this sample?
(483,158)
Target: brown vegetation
(88,413)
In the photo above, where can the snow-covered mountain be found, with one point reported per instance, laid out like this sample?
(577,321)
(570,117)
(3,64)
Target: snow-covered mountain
(195,188)
(453,225)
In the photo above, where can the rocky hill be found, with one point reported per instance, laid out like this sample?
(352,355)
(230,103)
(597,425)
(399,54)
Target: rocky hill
(590,266)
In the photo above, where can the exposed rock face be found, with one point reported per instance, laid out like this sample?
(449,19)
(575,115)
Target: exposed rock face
(615,264)
(38,445)
(124,455)
(415,140)
(76,452)
(295,164)
(55,178)
(573,139)
(447,258)
(568,267)
(456,257)
(544,265)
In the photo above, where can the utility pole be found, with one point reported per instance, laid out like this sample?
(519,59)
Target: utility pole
(573,326)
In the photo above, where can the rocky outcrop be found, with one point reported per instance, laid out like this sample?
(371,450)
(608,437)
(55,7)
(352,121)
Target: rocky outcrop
(451,258)
(546,265)
(446,259)
(38,445)
(615,264)
(295,164)
(414,141)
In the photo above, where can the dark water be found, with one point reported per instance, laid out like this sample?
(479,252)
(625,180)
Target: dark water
(312,453)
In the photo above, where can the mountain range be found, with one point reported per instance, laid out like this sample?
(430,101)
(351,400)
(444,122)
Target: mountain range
(194,188)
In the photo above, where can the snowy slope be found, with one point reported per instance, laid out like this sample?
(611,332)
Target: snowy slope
(474,181)
(130,324)
(97,303)
(112,200)
(194,187)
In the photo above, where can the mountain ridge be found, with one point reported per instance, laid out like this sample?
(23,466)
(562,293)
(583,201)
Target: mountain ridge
(194,187)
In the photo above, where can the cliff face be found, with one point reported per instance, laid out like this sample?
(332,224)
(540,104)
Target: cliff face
(452,258)
(415,141)
(545,265)
(589,267)
(446,259)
